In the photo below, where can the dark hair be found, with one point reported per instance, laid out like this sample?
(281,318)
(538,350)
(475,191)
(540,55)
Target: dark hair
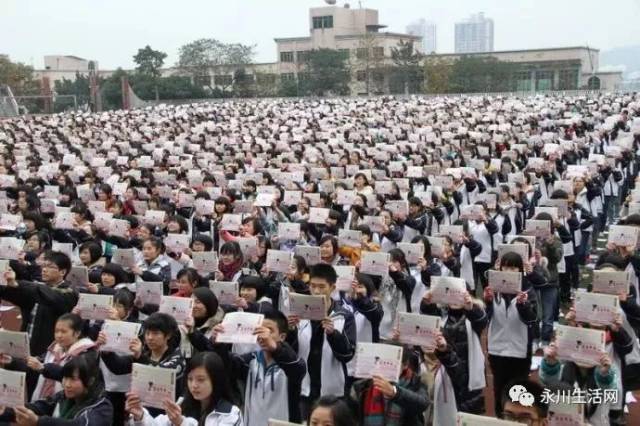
(546,216)
(325,272)
(279,318)
(75,322)
(257,226)
(301,264)
(559,194)
(59,259)
(366,281)
(534,389)
(334,243)
(397,255)
(208,299)
(342,415)
(219,376)
(94,249)
(156,242)
(79,367)
(117,271)
(164,323)
(192,276)
(425,242)
(233,248)
(612,259)
(181,221)
(124,297)
(525,241)
(204,239)
(257,283)
(512,259)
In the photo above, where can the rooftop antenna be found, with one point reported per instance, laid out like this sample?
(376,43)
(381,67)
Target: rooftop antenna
(360,3)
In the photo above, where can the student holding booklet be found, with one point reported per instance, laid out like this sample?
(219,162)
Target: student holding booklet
(207,399)
(325,345)
(512,318)
(272,375)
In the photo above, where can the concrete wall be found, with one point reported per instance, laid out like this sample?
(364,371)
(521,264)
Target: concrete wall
(66,63)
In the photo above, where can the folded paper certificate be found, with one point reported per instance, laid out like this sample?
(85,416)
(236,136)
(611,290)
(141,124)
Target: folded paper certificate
(288,231)
(178,307)
(10,247)
(308,307)
(231,222)
(78,277)
(465,419)
(150,292)
(119,336)
(205,261)
(177,243)
(311,254)
(580,345)
(248,246)
(448,290)
(399,208)
(239,327)
(226,291)
(318,216)
(94,306)
(414,252)
(624,236)
(374,263)
(102,220)
(345,197)
(14,343)
(124,257)
(119,228)
(597,309)
(292,198)
(350,238)
(539,228)
(12,388)
(346,275)
(505,282)
(611,282)
(375,223)
(154,217)
(471,212)
(63,220)
(278,261)
(10,222)
(521,249)
(419,330)
(455,232)
(565,414)
(153,385)
(376,359)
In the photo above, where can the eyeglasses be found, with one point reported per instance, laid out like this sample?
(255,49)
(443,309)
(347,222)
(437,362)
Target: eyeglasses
(50,266)
(524,418)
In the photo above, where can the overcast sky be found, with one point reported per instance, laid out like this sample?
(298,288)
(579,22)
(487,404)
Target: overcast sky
(111,31)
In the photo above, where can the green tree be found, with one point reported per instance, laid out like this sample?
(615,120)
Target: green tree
(199,57)
(370,59)
(407,74)
(244,85)
(80,88)
(149,64)
(478,74)
(19,77)
(437,72)
(326,72)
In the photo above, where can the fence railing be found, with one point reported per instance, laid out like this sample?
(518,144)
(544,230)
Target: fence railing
(41,104)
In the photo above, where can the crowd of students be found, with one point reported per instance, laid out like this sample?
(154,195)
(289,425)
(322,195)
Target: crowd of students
(201,163)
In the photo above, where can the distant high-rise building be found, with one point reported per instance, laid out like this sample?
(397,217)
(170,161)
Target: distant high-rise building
(474,35)
(426,30)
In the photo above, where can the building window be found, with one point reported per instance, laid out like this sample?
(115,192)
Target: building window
(523,81)
(362,53)
(593,83)
(568,80)
(286,56)
(223,80)
(378,77)
(378,52)
(303,56)
(288,76)
(361,75)
(345,53)
(304,76)
(320,22)
(202,80)
(544,80)
(266,78)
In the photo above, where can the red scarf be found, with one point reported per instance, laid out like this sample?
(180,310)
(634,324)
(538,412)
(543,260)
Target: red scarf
(228,271)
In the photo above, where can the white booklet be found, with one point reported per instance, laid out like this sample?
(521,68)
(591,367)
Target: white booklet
(278,260)
(611,282)
(521,249)
(539,228)
(318,215)
(78,277)
(12,388)
(14,343)
(10,222)
(311,254)
(177,243)
(178,307)
(448,290)
(471,212)
(153,385)
(63,220)
(205,261)
(94,306)
(455,232)
(595,308)
(565,414)
(580,345)
(308,307)
(226,291)
(4,267)
(239,327)
(414,252)
(248,246)
(375,263)
(346,275)
(231,222)
(465,419)
(350,238)
(150,292)
(10,247)
(119,336)
(377,359)
(124,257)
(505,282)
(625,236)
(154,217)
(288,231)
(419,330)
(119,228)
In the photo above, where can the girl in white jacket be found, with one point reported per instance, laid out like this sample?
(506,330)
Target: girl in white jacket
(207,386)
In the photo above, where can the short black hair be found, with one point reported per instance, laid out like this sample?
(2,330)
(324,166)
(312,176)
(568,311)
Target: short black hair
(59,259)
(94,249)
(80,367)
(279,318)
(534,388)
(325,272)
(164,323)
